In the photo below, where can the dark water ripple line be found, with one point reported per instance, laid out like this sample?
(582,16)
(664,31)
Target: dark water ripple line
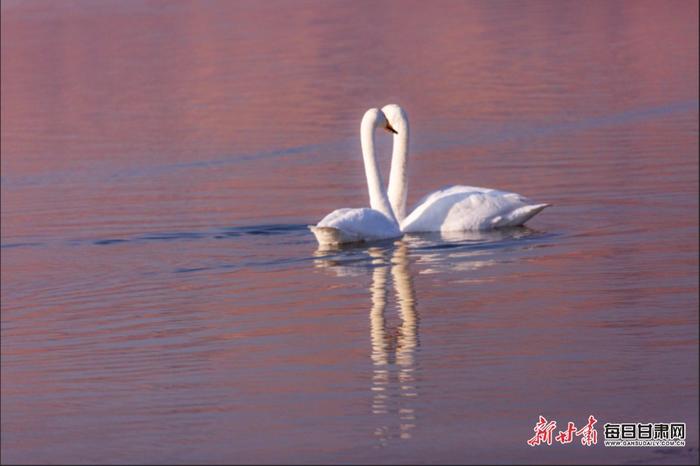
(226,232)
(109,241)
(20,245)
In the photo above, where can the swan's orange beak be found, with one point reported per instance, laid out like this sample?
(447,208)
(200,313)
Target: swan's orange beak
(389,129)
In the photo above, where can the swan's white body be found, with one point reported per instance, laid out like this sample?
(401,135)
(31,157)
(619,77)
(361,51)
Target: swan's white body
(363,224)
(463,208)
(353,225)
(457,208)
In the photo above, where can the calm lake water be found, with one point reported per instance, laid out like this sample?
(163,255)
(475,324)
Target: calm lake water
(163,301)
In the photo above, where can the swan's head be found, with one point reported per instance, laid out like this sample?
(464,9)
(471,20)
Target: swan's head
(397,118)
(375,118)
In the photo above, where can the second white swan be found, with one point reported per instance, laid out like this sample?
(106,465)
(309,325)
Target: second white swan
(456,208)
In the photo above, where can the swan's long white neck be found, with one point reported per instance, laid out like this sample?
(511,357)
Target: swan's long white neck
(398,177)
(378,199)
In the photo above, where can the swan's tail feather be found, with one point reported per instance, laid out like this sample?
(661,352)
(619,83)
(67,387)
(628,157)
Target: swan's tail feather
(522,214)
(330,235)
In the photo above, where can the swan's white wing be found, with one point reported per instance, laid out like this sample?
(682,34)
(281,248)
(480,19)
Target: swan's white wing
(448,190)
(351,225)
(461,208)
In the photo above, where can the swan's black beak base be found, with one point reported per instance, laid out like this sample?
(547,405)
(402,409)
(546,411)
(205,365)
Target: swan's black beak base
(390,129)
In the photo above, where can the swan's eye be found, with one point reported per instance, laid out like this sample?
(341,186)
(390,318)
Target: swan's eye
(389,129)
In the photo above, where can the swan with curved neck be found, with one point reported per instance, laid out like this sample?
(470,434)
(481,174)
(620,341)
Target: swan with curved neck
(456,208)
(363,224)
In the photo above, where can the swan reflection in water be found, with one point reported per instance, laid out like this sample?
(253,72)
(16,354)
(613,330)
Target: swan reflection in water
(393,352)
(394,347)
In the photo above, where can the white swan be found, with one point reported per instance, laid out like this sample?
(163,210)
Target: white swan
(363,224)
(456,208)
